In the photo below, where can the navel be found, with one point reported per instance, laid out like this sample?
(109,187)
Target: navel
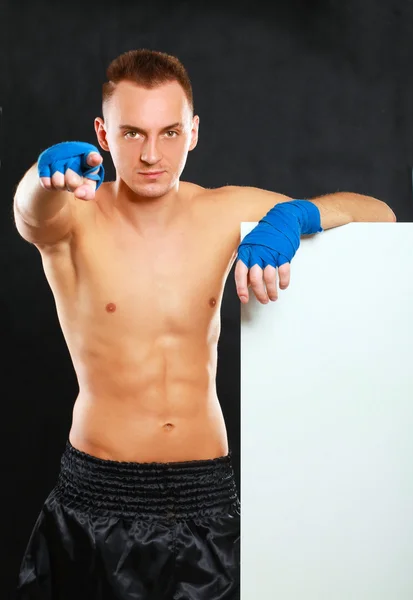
(110,308)
(212,302)
(168,427)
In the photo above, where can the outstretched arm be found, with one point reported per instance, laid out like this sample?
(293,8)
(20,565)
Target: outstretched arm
(42,209)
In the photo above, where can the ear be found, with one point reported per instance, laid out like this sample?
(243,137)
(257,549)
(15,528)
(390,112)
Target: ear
(101,133)
(194,132)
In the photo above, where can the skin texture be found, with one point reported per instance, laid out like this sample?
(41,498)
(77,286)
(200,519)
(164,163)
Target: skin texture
(138,270)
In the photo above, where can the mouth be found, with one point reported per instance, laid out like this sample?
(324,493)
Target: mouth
(151,174)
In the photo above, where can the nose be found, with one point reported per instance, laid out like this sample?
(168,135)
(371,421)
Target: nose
(150,153)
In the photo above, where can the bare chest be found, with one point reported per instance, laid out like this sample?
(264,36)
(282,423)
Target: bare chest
(169,284)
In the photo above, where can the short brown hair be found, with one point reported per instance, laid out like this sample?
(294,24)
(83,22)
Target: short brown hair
(148,68)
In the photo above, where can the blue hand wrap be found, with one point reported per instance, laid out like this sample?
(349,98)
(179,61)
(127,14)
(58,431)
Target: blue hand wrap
(69,155)
(276,238)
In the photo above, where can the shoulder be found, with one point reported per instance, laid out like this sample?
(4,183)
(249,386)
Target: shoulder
(212,200)
(242,203)
(218,195)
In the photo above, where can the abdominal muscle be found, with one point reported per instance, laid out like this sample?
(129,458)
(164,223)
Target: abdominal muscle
(161,407)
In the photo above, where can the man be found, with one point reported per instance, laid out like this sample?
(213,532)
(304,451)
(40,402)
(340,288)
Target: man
(145,506)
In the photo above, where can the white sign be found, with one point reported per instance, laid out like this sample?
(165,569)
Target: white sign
(327,422)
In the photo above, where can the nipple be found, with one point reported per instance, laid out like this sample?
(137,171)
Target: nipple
(212,302)
(110,308)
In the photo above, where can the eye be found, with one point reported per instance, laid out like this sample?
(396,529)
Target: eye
(171,134)
(131,134)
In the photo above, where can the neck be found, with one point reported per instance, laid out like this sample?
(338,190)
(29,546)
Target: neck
(146,214)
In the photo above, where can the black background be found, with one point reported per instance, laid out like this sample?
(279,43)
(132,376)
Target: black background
(300,97)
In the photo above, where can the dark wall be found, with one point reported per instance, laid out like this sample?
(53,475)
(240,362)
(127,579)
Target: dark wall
(303,98)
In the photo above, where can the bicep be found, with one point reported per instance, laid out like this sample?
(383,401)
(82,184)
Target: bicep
(49,233)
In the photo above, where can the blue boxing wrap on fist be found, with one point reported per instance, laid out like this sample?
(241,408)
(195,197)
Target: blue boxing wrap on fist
(276,238)
(70,155)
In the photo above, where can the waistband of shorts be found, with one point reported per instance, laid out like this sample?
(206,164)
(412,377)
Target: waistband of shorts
(173,489)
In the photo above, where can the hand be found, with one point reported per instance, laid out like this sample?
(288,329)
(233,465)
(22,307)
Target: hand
(256,278)
(82,187)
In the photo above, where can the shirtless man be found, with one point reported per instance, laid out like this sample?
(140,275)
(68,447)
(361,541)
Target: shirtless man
(145,506)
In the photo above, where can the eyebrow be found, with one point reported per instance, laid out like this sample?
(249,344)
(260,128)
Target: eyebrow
(140,130)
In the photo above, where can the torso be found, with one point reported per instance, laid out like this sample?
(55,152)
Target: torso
(141,318)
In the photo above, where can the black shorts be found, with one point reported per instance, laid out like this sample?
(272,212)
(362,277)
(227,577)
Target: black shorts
(139,531)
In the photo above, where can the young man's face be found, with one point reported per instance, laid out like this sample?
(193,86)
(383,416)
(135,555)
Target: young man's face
(148,133)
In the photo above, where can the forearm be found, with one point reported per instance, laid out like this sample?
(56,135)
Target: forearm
(36,205)
(346,207)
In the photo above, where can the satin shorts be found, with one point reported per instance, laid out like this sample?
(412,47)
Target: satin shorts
(114,530)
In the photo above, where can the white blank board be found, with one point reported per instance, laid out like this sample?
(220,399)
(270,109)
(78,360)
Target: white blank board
(327,422)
